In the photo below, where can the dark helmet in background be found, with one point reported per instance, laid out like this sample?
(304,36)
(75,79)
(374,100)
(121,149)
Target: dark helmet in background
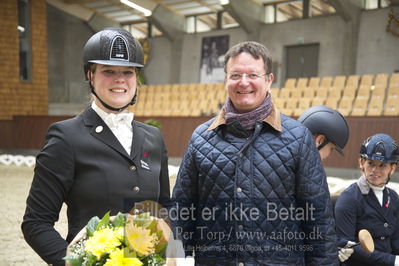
(114,47)
(324,120)
(380,147)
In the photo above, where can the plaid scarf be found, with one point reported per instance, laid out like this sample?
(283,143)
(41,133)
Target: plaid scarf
(248,120)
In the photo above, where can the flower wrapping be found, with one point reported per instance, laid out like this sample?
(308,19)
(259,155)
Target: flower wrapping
(124,239)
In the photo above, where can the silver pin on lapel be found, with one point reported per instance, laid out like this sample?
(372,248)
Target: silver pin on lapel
(99,129)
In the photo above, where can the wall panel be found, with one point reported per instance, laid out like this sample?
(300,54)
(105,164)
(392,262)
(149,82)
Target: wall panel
(28,132)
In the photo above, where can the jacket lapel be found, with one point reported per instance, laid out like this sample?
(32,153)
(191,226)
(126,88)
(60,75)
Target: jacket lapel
(373,202)
(138,140)
(385,202)
(101,131)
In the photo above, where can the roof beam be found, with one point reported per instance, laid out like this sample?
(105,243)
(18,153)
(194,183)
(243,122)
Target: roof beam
(75,10)
(203,3)
(247,14)
(322,8)
(346,9)
(98,22)
(76,1)
(350,12)
(170,23)
(306,9)
(150,5)
(172,26)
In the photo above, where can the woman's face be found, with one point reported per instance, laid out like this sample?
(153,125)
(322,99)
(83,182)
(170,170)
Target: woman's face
(115,85)
(376,172)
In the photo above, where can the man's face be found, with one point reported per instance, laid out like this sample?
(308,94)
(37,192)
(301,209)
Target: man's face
(248,91)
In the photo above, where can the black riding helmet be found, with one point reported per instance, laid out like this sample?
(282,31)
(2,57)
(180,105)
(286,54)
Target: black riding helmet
(380,147)
(114,47)
(321,119)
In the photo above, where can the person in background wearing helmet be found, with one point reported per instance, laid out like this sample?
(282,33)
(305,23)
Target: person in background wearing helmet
(101,160)
(328,127)
(330,131)
(370,204)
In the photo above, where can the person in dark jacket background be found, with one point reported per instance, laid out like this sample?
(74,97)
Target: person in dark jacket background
(370,204)
(251,189)
(102,160)
(331,132)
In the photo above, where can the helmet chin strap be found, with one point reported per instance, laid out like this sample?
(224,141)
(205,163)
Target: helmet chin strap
(388,179)
(133,101)
(321,146)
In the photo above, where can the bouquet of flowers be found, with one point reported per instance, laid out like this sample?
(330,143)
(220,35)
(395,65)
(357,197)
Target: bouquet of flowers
(121,240)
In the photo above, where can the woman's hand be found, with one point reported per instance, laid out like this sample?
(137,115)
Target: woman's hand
(345,252)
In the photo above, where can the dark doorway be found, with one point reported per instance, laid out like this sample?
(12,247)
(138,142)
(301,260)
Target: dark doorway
(302,60)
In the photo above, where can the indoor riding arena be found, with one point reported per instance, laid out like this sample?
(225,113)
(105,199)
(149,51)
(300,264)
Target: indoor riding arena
(339,53)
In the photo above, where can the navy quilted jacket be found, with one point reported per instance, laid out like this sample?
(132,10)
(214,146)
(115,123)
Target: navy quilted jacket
(261,199)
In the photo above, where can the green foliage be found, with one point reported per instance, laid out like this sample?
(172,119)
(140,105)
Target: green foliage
(74,260)
(160,249)
(120,220)
(91,259)
(103,222)
(154,260)
(92,226)
(141,78)
(153,122)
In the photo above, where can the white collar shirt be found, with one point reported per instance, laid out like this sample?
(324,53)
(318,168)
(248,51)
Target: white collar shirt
(120,125)
(378,191)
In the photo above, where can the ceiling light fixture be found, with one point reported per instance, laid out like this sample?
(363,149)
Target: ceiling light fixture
(224,2)
(143,10)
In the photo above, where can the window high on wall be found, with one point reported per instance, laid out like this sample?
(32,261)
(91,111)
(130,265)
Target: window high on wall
(194,24)
(280,11)
(25,48)
(201,23)
(210,21)
(142,29)
(284,10)
(374,4)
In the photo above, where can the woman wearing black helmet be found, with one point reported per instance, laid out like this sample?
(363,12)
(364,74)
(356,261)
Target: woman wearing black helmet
(102,160)
(329,128)
(369,204)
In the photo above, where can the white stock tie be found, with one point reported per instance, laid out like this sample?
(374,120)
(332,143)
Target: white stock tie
(121,126)
(114,120)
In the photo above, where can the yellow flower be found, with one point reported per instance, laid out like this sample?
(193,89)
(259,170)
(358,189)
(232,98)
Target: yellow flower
(141,239)
(117,258)
(103,241)
(120,233)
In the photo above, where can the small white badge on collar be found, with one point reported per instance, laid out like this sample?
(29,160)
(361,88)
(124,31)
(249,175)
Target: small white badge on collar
(99,129)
